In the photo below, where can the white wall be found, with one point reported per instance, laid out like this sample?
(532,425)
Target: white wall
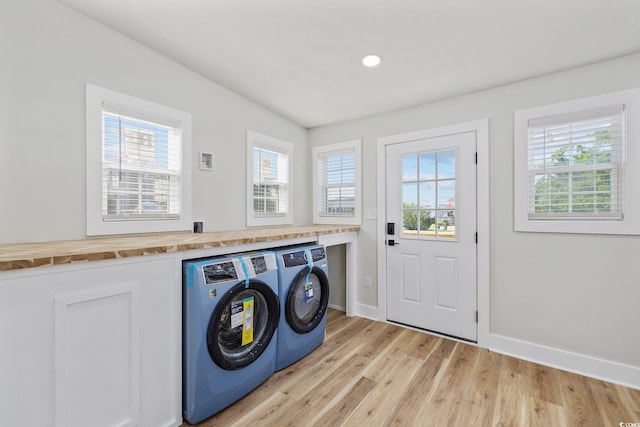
(49,52)
(584,297)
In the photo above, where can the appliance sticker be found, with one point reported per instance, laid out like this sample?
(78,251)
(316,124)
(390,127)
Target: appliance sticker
(236,314)
(247,324)
(308,292)
(308,286)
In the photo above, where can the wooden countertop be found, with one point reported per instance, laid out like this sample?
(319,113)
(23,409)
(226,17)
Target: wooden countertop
(28,255)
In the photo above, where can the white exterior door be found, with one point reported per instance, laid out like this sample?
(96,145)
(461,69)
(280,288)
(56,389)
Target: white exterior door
(431,250)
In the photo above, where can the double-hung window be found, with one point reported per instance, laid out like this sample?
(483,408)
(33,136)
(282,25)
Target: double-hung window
(336,183)
(137,165)
(268,180)
(576,165)
(573,163)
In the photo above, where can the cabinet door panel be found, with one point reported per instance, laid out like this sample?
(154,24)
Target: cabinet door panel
(97,357)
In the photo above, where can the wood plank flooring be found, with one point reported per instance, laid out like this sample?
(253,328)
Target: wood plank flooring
(370,374)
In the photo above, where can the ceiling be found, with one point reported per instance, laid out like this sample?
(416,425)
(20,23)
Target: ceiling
(301,58)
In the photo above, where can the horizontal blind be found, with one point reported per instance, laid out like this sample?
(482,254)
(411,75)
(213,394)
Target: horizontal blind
(270,182)
(575,163)
(337,181)
(141,165)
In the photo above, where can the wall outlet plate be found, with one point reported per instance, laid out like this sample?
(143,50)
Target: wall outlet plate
(367,281)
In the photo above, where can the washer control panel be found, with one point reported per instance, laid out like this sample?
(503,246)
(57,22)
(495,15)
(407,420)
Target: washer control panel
(219,272)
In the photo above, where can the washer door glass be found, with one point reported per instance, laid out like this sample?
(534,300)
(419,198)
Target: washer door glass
(242,325)
(307,300)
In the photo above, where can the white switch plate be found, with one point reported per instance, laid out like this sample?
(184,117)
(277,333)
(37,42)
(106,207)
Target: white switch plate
(370,214)
(367,281)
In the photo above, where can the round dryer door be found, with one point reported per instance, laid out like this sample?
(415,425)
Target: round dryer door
(307,300)
(242,325)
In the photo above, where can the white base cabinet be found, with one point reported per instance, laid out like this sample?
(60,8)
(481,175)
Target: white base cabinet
(95,344)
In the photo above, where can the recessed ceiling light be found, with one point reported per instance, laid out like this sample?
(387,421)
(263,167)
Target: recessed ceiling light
(371,60)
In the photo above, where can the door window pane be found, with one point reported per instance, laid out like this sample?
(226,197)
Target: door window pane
(446,194)
(409,195)
(429,195)
(409,168)
(428,223)
(409,222)
(447,224)
(447,164)
(427,166)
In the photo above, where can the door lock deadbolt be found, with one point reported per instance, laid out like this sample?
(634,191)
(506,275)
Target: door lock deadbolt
(391,228)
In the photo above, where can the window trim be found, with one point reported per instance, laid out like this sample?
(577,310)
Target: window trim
(630,168)
(321,151)
(257,140)
(95,225)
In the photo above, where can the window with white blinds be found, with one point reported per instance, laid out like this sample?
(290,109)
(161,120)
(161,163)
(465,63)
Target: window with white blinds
(141,159)
(337,175)
(575,165)
(337,183)
(269,180)
(137,174)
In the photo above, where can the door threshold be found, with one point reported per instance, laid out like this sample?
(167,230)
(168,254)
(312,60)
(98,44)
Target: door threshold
(432,332)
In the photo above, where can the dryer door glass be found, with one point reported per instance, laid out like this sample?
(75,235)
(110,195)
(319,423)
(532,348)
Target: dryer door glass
(307,300)
(242,325)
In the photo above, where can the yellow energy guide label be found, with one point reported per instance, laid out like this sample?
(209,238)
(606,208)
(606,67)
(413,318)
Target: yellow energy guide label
(247,321)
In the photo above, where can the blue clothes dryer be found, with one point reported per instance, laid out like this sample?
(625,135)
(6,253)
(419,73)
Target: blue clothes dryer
(230,316)
(304,296)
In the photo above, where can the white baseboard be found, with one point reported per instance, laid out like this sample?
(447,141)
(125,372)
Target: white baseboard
(614,372)
(367,311)
(337,307)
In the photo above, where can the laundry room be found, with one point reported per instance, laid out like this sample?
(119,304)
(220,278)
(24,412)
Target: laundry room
(336,213)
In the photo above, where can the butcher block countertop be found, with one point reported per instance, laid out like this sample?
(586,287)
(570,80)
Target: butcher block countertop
(28,255)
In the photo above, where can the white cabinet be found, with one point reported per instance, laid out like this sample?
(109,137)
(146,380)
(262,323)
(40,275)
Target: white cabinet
(95,344)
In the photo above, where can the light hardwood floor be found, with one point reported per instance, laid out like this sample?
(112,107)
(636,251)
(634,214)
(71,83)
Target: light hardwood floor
(370,374)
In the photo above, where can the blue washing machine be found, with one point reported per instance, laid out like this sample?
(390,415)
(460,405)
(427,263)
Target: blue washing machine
(304,296)
(230,315)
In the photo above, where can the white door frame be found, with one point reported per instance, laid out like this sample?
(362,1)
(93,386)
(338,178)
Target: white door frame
(481,128)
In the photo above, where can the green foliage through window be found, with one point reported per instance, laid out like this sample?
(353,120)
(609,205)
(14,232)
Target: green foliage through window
(574,167)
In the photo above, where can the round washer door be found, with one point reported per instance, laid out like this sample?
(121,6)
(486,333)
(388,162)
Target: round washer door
(307,300)
(231,343)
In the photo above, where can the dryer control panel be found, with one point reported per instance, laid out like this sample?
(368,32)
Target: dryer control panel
(318,254)
(295,259)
